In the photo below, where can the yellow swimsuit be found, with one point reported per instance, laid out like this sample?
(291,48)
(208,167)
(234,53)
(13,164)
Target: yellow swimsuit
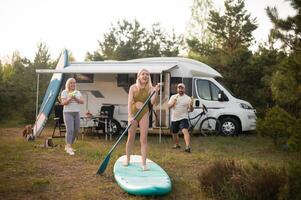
(140,96)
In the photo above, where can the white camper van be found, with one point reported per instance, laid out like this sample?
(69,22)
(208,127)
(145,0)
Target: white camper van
(106,83)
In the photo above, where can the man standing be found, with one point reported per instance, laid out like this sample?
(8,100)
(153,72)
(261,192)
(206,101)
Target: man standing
(180,104)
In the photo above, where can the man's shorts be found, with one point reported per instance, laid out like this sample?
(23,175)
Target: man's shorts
(177,125)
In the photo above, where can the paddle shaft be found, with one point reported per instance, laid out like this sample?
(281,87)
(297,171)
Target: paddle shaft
(106,160)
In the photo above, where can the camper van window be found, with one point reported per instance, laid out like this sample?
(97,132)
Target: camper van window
(125,81)
(122,80)
(84,78)
(215,90)
(207,90)
(203,89)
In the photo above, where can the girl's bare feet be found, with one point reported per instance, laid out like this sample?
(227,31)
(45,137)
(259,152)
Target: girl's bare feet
(144,168)
(126,163)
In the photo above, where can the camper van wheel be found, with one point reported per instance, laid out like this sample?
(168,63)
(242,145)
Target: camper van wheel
(229,126)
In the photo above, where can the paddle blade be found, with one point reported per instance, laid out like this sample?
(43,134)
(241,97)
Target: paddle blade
(104,165)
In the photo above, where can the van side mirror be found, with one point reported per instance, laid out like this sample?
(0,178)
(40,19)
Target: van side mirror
(197,103)
(222,96)
(219,97)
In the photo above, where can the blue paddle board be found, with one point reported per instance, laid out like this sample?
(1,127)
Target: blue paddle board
(50,96)
(134,180)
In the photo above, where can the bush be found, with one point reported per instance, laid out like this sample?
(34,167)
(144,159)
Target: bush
(263,182)
(292,189)
(294,141)
(215,177)
(277,124)
(227,179)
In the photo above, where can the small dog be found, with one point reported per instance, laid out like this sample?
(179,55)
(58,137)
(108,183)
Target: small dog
(28,132)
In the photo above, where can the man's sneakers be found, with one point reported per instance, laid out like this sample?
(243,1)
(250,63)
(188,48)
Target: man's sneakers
(187,149)
(176,146)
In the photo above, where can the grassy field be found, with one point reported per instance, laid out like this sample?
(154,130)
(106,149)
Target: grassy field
(29,172)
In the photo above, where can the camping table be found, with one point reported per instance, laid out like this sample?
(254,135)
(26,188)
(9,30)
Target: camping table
(90,123)
(87,123)
(105,120)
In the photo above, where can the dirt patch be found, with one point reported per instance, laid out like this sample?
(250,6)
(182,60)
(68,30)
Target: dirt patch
(49,173)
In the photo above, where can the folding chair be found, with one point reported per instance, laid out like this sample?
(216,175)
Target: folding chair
(106,121)
(107,111)
(59,121)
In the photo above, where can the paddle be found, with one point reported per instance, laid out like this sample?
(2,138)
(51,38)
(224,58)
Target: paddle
(105,162)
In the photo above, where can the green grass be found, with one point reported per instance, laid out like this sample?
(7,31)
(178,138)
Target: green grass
(28,172)
(13,123)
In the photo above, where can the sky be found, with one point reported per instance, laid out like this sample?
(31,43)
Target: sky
(77,25)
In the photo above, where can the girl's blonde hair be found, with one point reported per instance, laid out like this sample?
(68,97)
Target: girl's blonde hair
(67,85)
(149,84)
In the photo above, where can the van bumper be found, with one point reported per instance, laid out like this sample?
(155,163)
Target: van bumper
(249,120)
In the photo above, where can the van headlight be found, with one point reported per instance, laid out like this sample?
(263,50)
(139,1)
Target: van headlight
(245,106)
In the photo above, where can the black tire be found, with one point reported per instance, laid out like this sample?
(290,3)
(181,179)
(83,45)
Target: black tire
(210,126)
(229,126)
(113,127)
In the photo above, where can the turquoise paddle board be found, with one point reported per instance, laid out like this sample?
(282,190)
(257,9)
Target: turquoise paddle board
(50,96)
(134,180)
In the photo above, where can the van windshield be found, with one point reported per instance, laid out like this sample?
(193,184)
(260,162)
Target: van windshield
(221,81)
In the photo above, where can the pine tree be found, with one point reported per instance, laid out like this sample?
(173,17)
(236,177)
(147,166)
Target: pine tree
(286,81)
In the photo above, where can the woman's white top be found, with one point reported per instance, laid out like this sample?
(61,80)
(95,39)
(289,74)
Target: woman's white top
(73,106)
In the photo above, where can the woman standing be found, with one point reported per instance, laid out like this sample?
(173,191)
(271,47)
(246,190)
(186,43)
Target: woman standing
(138,94)
(71,98)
